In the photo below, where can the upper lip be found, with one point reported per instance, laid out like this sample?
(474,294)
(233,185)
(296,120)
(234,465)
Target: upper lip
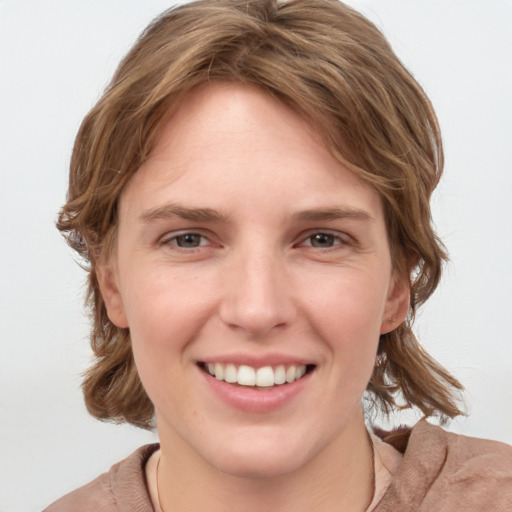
(257,361)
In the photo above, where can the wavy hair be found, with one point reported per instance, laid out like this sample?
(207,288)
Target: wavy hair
(334,67)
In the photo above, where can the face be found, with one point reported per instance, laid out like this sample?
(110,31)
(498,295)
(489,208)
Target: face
(254,273)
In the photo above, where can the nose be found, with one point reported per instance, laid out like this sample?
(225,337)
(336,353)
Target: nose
(257,296)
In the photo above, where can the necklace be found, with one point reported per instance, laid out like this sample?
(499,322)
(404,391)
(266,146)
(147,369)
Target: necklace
(157,505)
(373,483)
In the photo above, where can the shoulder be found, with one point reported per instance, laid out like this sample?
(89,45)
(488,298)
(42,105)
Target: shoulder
(122,488)
(461,458)
(445,471)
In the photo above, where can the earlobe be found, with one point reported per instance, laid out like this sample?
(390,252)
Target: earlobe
(111,295)
(397,305)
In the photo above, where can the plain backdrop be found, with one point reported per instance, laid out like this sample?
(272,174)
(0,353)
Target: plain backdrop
(55,59)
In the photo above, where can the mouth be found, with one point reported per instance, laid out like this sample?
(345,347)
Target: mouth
(263,378)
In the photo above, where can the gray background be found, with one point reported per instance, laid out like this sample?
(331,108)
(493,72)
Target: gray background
(57,56)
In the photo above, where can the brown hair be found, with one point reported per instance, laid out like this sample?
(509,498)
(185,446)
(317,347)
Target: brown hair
(333,66)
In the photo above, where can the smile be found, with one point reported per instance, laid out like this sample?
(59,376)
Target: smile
(264,377)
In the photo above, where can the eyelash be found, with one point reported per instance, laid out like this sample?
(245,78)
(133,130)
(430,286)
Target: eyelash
(336,239)
(174,240)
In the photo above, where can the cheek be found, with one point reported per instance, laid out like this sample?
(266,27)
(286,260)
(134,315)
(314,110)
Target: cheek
(165,311)
(160,300)
(348,302)
(346,313)
(163,323)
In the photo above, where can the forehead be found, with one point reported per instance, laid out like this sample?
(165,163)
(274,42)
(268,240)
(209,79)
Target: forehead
(222,113)
(232,142)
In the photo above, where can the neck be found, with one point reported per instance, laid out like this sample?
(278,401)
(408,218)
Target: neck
(340,477)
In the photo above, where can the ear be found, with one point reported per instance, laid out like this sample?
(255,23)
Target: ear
(107,281)
(397,305)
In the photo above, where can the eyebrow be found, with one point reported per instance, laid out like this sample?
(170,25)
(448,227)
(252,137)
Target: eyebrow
(174,210)
(324,214)
(210,215)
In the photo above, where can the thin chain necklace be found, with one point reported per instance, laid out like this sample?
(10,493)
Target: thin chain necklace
(373,482)
(157,506)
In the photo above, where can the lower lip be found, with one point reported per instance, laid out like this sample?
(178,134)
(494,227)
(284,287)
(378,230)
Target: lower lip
(254,400)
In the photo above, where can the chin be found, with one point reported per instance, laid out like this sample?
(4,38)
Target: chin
(265,466)
(262,458)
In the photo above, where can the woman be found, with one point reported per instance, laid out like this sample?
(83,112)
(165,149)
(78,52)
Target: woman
(252,196)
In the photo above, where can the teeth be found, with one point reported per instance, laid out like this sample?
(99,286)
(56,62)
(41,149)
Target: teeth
(246,376)
(290,374)
(280,375)
(264,377)
(219,371)
(231,375)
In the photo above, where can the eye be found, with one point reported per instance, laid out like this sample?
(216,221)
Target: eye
(188,240)
(322,240)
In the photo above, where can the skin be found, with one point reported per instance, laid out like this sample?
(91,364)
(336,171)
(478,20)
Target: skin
(260,283)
